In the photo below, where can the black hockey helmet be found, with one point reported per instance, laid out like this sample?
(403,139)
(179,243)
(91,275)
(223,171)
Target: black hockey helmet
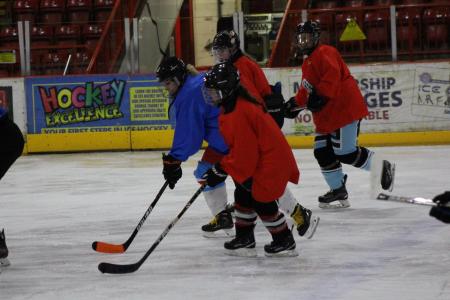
(226,39)
(172,68)
(223,79)
(308,36)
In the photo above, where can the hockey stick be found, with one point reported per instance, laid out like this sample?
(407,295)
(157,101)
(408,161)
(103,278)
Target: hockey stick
(113,248)
(122,269)
(411,200)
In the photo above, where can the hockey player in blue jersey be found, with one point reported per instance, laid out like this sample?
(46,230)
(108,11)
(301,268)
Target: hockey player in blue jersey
(196,121)
(11,147)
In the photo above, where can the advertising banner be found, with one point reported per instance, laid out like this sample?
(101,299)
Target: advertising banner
(105,103)
(400,98)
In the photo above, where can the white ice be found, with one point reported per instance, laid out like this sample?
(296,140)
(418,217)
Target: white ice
(54,206)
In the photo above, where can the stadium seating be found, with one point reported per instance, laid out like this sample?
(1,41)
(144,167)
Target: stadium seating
(79,11)
(80,61)
(26,10)
(354,3)
(54,63)
(91,35)
(408,36)
(376,27)
(52,11)
(102,9)
(326,4)
(436,22)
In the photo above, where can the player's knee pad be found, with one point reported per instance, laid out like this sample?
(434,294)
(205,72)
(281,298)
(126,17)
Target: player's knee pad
(266,208)
(357,158)
(242,196)
(326,158)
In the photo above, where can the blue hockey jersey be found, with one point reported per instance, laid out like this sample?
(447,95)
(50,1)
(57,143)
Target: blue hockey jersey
(196,121)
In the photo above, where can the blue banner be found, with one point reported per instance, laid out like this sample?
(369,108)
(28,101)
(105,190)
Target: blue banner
(96,103)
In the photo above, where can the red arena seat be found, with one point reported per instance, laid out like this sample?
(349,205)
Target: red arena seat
(41,35)
(354,3)
(54,63)
(80,61)
(68,35)
(408,36)
(26,10)
(383,2)
(436,22)
(9,37)
(412,1)
(327,4)
(91,35)
(102,9)
(376,29)
(52,11)
(79,11)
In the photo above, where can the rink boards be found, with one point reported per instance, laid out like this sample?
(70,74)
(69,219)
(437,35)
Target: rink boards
(409,104)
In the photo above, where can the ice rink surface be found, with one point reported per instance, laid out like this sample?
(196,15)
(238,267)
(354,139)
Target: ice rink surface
(54,206)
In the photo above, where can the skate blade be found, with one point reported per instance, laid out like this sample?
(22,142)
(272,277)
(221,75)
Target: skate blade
(312,227)
(341,204)
(4,262)
(242,252)
(222,233)
(286,253)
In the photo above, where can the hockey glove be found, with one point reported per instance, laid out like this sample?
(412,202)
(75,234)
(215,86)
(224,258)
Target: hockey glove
(171,170)
(441,211)
(214,176)
(315,102)
(274,104)
(291,109)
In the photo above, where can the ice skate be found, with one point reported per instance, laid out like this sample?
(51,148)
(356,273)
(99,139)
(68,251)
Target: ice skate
(282,248)
(306,223)
(242,245)
(220,226)
(387,175)
(3,250)
(338,196)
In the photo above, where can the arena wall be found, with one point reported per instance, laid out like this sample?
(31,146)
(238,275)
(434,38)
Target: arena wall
(409,104)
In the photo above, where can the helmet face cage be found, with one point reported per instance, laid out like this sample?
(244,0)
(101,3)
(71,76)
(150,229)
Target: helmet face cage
(220,82)
(308,36)
(224,44)
(172,68)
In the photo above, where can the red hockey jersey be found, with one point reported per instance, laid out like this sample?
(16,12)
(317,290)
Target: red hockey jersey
(257,149)
(326,71)
(252,78)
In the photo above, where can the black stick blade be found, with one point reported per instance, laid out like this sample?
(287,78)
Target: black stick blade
(118,269)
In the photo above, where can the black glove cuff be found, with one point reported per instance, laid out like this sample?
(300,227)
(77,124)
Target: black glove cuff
(218,171)
(170,160)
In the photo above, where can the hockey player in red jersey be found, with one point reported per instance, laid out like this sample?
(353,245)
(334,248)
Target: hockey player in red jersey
(225,48)
(11,148)
(255,147)
(331,93)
